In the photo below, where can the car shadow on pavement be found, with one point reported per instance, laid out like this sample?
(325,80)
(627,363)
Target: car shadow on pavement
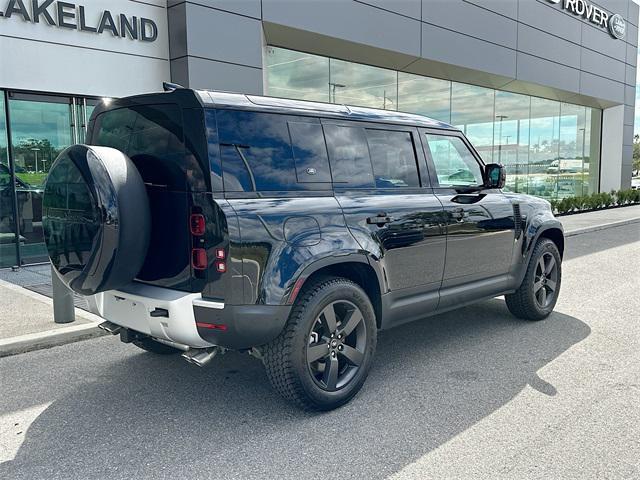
(142,416)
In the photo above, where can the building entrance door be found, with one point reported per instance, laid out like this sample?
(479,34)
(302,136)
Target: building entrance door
(41,126)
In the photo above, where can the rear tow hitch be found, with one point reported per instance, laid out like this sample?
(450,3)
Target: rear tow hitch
(201,356)
(110,327)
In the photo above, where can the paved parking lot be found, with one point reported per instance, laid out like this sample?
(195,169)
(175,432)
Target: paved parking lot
(470,394)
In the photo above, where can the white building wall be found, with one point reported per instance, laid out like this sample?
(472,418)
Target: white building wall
(42,57)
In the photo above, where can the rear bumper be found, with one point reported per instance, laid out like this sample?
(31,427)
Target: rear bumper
(245,326)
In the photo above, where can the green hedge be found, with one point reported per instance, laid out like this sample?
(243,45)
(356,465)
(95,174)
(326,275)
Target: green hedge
(596,201)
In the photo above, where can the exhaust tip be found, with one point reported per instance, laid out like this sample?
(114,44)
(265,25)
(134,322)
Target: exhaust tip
(110,327)
(201,356)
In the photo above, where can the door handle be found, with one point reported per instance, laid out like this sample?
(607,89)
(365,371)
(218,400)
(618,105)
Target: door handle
(379,220)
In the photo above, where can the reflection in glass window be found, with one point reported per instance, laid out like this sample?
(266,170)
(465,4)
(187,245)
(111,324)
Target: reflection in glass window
(425,96)
(349,156)
(393,158)
(454,163)
(309,152)
(511,138)
(297,75)
(256,153)
(545,142)
(362,85)
(7,222)
(472,110)
(547,150)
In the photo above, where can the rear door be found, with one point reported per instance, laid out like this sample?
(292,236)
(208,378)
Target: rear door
(480,226)
(380,181)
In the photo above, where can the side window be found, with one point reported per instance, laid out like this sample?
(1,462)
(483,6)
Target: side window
(393,158)
(454,163)
(255,152)
(309,152)
(349,155)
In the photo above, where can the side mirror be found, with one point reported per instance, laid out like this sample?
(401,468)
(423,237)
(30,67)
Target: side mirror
(494,175)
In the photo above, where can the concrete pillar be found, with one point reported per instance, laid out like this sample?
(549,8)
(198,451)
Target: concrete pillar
(611,156)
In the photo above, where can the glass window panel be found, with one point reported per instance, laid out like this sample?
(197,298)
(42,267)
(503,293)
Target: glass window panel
(262,156)
(7,223)
(363,85)
(454,163)
(511,138)
(393,158)
(349,156)
(152,136)
(544,147)
(472,110)
(570,164)
(425,96)
(40,130)
(297,75)
(309,152)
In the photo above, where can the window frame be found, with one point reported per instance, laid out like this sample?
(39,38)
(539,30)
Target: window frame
(424,181)
(432,167)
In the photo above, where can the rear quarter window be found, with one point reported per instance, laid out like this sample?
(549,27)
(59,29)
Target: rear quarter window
(265,152)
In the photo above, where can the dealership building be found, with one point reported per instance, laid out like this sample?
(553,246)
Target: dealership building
(546,87)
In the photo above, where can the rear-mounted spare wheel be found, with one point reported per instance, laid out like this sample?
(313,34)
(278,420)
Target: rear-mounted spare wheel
(96,218)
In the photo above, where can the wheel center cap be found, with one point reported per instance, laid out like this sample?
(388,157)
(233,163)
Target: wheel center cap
(334,343)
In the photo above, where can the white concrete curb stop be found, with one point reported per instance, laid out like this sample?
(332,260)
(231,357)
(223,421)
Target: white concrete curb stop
(48,339)
(604,226)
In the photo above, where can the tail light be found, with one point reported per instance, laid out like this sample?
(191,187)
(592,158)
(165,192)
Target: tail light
(197,224)
(199,259)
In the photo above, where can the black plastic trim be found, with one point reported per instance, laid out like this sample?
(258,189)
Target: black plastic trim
(246,325)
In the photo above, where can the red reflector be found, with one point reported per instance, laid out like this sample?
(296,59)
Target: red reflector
(296,289)
(220,253)
(197,224)
(221,266)
(199,259)
(212,326)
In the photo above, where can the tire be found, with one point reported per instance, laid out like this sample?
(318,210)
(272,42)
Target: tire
(96,219)
(150,345)
(334,377)
(536,297)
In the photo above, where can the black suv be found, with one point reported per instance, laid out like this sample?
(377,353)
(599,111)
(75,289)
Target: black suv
(198,221)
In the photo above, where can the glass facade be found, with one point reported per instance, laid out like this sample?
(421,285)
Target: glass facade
(40,127)
(550,149)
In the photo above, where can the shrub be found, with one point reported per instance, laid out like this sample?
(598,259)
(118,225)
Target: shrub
(595,201)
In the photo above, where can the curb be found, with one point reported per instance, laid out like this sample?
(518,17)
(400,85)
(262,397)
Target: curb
(48,339)
(603,226)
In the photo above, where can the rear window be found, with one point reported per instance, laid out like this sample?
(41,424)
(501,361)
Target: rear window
(393,158)
(152,136)
(349,155)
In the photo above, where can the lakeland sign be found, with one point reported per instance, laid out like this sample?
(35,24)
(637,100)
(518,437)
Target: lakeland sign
(614,23)
(74,17)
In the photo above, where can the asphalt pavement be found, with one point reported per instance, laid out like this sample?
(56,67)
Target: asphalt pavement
(473,393)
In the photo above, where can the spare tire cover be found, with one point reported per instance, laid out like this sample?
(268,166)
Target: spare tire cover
(96,218)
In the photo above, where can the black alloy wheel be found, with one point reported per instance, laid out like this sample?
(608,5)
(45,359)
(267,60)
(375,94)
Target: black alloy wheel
(336,345)
(546,280)
(538,293)
(322,357)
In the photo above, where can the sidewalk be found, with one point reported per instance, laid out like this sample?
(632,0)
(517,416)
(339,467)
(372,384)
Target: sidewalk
(26,309)
(26,319)
(594,221)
